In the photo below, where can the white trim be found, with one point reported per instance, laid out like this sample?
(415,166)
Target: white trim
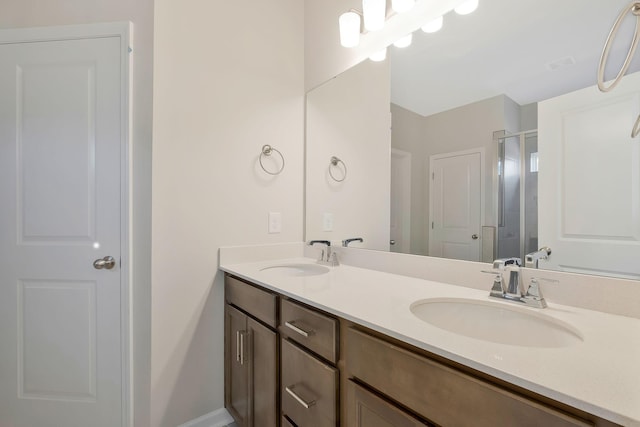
(123,30)
(219,418)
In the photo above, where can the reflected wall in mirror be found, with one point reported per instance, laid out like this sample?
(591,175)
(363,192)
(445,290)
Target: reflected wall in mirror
(496,126)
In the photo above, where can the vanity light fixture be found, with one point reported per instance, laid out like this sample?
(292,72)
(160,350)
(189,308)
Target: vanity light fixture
(433,26)
(404,41)
(467,7)
(405,17)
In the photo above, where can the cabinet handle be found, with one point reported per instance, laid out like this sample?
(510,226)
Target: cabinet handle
(298,329)
(299,399)
(242,348)
(237,346)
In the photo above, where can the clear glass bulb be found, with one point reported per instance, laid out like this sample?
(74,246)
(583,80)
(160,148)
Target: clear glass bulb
(433,26)
(467,7)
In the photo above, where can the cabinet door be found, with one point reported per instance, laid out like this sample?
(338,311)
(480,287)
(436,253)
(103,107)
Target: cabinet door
(236,366)
(263,375)
(365,409)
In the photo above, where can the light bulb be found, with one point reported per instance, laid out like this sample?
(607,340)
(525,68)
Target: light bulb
(349,29)
(374,12)
(433,26)
(378,56)
(400,6)
(467,7)
(404,41)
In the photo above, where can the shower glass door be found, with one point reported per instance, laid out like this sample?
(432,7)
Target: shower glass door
(517,198)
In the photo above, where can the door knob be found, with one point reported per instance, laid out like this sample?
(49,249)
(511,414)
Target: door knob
(107,262)
(392,242)
(474,236)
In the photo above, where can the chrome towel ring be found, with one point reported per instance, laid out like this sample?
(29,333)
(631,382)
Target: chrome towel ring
(333,164)
(267,150)
(634,8)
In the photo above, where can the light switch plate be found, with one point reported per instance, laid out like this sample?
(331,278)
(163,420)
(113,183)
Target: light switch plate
(275,222)
(327,222)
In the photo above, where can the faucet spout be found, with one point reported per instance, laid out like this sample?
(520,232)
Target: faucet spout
(346,242)
(531,260)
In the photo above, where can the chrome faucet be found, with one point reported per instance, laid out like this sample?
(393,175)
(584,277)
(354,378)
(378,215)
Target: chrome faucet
(328,258)
(514,291)
(346,242)
(531,260)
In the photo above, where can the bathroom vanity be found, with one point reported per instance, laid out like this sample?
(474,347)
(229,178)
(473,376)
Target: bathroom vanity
(341,347)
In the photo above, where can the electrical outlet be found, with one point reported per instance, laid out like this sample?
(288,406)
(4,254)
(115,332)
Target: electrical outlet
(327,222)
(275,222)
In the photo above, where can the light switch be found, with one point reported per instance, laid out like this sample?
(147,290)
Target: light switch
(327,222)
(275,222)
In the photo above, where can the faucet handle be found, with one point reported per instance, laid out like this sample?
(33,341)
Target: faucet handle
(534,292)
(497,289)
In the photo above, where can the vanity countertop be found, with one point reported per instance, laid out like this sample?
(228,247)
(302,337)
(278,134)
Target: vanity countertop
(599,375)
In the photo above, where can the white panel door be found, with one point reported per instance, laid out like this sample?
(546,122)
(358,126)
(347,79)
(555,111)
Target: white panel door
(589,176)
(60,161)
(400,201)
(455,205)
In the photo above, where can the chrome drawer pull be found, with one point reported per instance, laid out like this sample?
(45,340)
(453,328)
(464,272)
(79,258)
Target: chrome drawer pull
(298,329)
(300,400)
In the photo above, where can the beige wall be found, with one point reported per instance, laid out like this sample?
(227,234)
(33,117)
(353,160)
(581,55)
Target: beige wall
(349,117)
(34,13)
(228,78)
(407,134)
(463,128)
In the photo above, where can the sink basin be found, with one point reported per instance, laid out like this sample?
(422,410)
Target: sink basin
(498,323)
(298,270)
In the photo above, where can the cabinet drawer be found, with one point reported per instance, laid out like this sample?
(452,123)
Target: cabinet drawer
(441,394)
(309,388)
(261,304)
(365,409)
(313,330)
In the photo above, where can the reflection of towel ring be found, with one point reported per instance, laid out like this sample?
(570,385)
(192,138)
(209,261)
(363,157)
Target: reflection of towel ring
(334,162)
(267,150)
(634,8)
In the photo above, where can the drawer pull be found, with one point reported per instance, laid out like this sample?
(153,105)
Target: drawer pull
(299,399)
(298,329)
(242,348)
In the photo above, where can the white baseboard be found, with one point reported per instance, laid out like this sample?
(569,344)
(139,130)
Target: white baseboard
(219,418)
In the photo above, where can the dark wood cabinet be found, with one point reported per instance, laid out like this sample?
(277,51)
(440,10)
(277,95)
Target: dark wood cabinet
(251,367)
(366,409)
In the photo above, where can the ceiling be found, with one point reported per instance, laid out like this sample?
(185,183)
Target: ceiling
(509,47)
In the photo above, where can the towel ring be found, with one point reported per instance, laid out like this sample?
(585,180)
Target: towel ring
(267,150)
(634,8)
(334,162)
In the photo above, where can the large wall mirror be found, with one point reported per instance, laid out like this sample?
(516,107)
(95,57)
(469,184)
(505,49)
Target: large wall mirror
(488,139)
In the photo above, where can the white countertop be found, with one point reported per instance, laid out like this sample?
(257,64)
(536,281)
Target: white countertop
(600,375)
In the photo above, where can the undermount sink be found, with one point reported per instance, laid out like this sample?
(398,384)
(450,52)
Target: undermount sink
(298,270)
(498,323)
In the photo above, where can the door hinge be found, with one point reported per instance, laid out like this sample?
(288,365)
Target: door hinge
(433,176)
(432,225)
